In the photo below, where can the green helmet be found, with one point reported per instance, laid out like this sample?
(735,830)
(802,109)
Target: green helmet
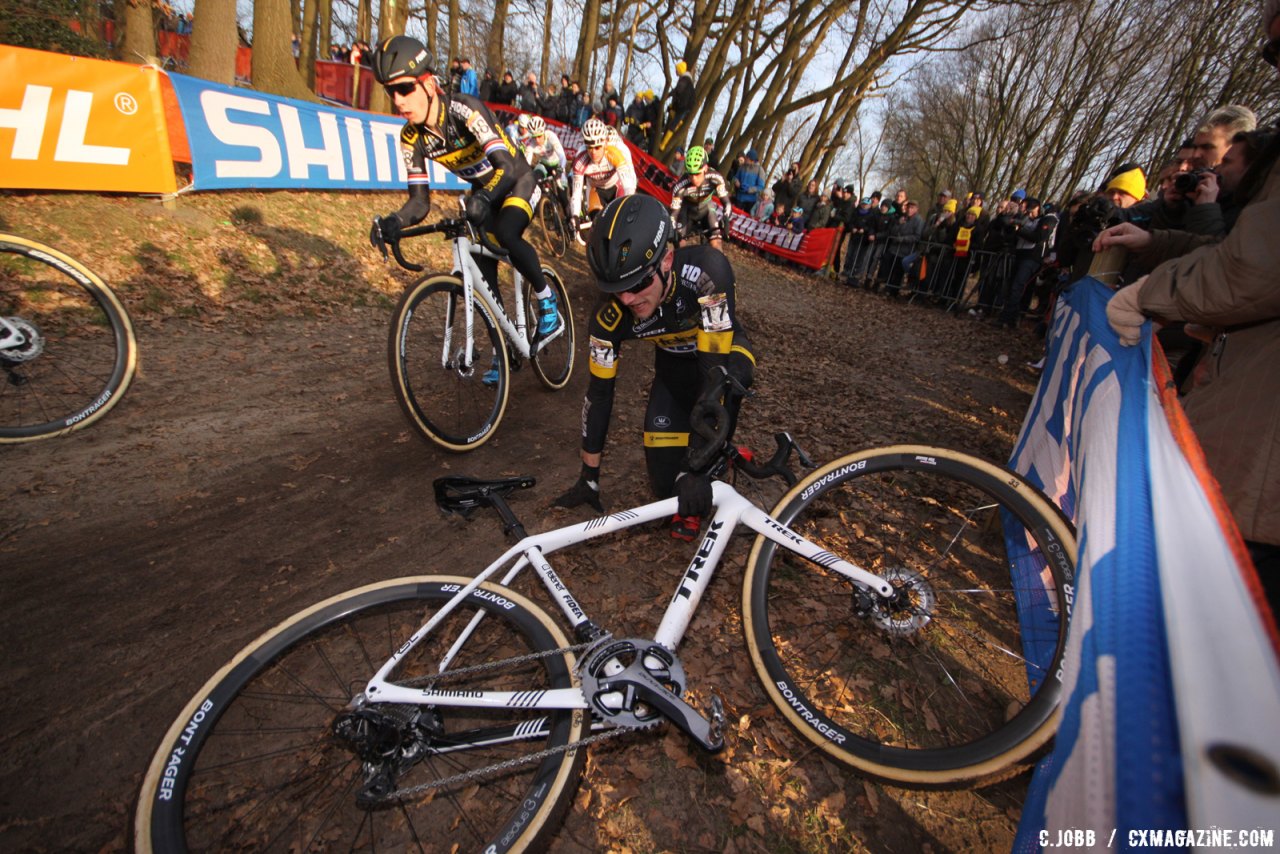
(695,160)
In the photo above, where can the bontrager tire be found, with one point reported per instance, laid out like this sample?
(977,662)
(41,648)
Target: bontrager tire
(553,363)
(77,353)
(256,762)
(936,691)
(555,234)
(444,397)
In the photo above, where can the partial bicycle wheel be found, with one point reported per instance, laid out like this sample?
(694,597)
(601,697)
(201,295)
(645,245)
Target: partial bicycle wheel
(554,231)
(958,680)
(553,362)
(453,401)
(273,753)
(67,348)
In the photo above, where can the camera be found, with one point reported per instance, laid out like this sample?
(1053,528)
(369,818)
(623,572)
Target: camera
(1186,182)
(1092,217)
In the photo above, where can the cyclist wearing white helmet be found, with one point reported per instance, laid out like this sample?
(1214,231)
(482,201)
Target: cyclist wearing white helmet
(546,155)
(694,196)
(461,134)
(603,169)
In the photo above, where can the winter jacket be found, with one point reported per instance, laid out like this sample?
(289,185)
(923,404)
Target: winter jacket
(749,184)
(820,217)
(1234,402)
(904,234)
(530,98)
(806,201)
(505,93)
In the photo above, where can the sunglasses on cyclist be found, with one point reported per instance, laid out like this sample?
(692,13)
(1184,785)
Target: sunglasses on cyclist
(595,147)
(641,285)
(402,89)
(1271,51)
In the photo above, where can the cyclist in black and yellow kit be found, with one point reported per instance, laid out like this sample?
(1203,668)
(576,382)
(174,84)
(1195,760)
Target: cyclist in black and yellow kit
(681,300)
(694,197)
(459,133)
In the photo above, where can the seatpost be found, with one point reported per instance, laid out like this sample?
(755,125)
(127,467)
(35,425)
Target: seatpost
(510,524)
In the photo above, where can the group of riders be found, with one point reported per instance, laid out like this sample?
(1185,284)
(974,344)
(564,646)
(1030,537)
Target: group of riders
(679,298)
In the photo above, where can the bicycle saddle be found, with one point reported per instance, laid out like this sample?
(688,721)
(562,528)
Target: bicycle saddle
(460,494)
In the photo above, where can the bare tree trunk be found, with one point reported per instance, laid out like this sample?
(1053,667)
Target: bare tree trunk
(274,70)
(325,38)
(544,67)
(214,41)
(453,33)
(432,23)
(138,43)
(497,38)
(587,40)
(307,33)
(364,22)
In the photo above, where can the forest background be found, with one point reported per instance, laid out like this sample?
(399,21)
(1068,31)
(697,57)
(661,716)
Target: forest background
(1047,95)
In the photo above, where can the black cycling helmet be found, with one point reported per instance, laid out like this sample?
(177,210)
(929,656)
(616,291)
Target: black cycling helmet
(628,241)
(400,56)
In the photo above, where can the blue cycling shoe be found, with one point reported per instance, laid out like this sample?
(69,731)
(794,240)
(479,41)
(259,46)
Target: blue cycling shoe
(548,317)
(490,377)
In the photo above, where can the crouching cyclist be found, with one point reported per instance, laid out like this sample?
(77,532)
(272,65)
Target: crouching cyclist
(683,302)
(460,133)
(546,155)
(694,197)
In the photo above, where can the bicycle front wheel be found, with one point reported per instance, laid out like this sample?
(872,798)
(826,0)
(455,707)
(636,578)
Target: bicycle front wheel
(553,363)
(67,348)
(554,231)
(957,680)
(452,400)
(272,754)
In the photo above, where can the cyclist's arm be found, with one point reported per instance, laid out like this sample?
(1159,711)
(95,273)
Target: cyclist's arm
(576,202)
(419,205)
(597,405)
(626,172)
(557,149)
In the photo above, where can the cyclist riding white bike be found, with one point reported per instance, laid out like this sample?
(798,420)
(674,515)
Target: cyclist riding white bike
(683,301)
(601,173)
(693,199)
(461,134)
(546,155)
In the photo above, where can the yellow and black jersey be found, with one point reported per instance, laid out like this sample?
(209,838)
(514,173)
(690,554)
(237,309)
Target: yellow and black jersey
(697,320)
(471,144)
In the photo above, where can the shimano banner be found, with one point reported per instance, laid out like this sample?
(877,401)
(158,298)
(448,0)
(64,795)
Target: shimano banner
(242,139)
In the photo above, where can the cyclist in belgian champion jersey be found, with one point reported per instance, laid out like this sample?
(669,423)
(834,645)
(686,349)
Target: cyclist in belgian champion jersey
(682,301)
(694,196)
(460,133)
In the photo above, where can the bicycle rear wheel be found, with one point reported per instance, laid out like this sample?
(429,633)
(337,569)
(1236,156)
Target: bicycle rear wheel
(268,755)
(67,348)
(958,682)
(554,230)
(453,402)
(553,363)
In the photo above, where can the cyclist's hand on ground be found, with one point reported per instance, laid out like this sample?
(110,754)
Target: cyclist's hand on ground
(585,491)
(694,492)
(478,204)
(386,229)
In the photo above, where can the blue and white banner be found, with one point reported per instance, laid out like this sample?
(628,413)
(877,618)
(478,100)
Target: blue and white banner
(1170,678)
(241,139)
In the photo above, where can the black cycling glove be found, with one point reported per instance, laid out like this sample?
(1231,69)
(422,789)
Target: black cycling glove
(386,229)
(694,492)
(585,491)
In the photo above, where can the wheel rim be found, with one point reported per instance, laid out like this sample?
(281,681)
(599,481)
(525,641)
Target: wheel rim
(448,398)
(939,681)
(73,353)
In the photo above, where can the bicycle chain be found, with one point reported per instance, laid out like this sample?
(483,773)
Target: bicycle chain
(476,773)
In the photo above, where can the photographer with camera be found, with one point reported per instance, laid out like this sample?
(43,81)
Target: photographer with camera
(1234,402)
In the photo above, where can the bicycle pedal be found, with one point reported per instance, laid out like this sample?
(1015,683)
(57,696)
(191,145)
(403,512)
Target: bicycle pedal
(716,719)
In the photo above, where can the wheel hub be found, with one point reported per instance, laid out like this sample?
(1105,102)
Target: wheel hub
(31,345)
(906,612)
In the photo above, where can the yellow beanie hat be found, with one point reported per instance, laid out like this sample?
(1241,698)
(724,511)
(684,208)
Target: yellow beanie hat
(1132,183)
(681,68)
(975,210)
(950,206)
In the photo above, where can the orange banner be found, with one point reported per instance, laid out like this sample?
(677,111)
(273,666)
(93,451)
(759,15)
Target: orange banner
(70,123)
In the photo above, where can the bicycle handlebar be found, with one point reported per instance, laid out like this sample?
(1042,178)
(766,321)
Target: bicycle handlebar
(450,228)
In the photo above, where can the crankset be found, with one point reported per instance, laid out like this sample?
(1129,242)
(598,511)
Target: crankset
(634,683)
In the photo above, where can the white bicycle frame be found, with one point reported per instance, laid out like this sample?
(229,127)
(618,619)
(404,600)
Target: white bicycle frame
(10,335)
(731,510)
(464,266)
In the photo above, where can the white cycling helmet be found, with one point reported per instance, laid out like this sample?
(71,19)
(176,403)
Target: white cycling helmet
(595,132)
(537,125)
(523,122)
